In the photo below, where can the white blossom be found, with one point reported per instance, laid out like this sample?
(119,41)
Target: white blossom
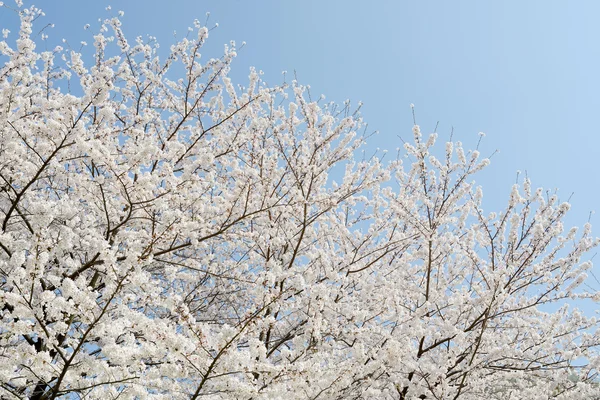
(166,233)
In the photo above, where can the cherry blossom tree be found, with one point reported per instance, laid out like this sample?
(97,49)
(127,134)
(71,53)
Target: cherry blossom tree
(167,234)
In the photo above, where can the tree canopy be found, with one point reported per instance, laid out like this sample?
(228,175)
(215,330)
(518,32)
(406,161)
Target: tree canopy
(167,234)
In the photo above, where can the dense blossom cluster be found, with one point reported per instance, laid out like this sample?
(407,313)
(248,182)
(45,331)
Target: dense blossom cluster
(165,234)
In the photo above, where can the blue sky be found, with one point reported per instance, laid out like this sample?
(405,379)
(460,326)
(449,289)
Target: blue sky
(524,72)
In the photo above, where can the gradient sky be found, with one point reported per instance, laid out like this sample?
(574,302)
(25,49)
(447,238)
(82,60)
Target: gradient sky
(524,72)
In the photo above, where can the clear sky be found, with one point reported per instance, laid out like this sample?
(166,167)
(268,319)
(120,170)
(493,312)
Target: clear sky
(524,72)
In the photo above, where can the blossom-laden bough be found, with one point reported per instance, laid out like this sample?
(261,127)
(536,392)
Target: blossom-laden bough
(166,234)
